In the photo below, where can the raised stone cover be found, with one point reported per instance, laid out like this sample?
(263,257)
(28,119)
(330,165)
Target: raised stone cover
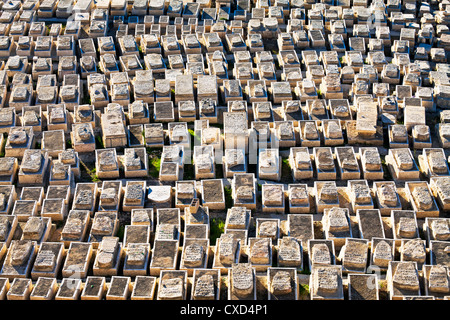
(205,287)
(406,276)
(242,279)
(227,249)
(321,254)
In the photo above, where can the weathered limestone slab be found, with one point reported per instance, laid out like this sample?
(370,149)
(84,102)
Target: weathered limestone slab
(20,289)
(386,197)
(206,284)
(421,198)
(235,129)
(300,162)
(227,252)
(70,289)
(8,225)
(85,197)
(336,224)
(436,229)
(19,140)
(119,288)
(244,190)
(436,281)
(413,250)
(110,196)
(421,136)
(370,224)
(83,138)
(136,234)
(347,163)
(371,166)
(321,253)
(143,217)
(173,285)
(34,168)
(164,256)
(78,259)
(144,288)
(23,209)
(134,197)
(324,161)
(273,198)
(326,195)
(433,162)
(76,225)
(7,199)
(360,194)
(268,228)
(401,164)
(36,229)
(154,135)
(282,283)
(298,196)
(194,255)
(326,283)
(44,289)
(237,218)
(94,288)
(404,224)
(18,261)
(242,281)
(353,255)
(48,260)
(137,257)
(403,279)
(363,287)
(104,224)
(108,257)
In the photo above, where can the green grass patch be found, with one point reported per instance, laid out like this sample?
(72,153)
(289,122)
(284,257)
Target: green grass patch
(2,147)
(154,162)
(228,197)
(304,290)
(217,228)
(155,166)
(88,172)
(99,143)
(68,144)
(121,232)
(286,171)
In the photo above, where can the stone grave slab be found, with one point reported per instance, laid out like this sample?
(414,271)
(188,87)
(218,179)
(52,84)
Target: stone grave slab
(78,260)
(144,288)
(326,283)
(19,259)
(242,282)
(94,288)
(70,289)
(173,285)
(48,260)
(164,257)
(363,287)
(282,283)
(227,252)
(44,289)
(110,196)
(137,257)
(421,199)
